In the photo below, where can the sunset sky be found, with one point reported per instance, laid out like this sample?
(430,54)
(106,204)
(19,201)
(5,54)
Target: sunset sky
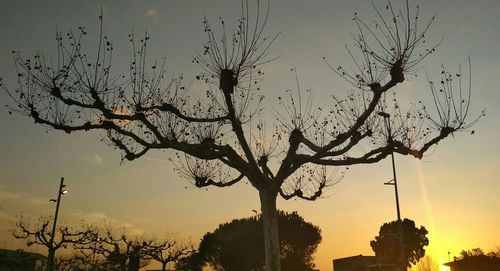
(454,191)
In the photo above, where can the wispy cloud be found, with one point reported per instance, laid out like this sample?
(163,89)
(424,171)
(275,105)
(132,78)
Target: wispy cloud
(36,201)
(6,216)
(100,218)
(91,217)
(95,159)
(157,160)
(7,197)
(13,204)
(151,12)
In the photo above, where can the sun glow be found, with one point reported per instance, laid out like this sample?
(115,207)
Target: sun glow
(425,197)
(437,245)
(441,262)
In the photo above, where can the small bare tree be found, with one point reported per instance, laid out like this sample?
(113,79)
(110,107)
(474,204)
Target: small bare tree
(426,263)
(119,249)
(166,250)
(39,233)
(214,137)
(70,262)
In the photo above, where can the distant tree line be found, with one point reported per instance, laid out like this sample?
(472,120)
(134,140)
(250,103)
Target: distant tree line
(92,247)
(235,245)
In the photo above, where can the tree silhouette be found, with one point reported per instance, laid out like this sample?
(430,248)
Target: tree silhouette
(387,245)
(72,262)
(237,245)
(115,248)
(214,138)
(476,259)
(38,233)
(479,252)
(426,263)
(121,250)
(298,241)
(166,250)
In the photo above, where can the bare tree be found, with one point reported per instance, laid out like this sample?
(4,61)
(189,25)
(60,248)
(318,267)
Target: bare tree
(121,250)
(89,256)
(214,137)
(426,263)
(38,233)
(166,250)
(116,248)
(70,262)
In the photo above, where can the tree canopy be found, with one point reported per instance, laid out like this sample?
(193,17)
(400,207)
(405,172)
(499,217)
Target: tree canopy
(238,245)
(387,244)
(479,252)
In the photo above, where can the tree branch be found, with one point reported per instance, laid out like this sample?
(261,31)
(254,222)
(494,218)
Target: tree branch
(204,181)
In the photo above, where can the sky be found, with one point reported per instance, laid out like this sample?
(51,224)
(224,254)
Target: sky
(453,191)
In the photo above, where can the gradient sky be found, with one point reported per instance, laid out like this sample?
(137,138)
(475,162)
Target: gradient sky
(453,191)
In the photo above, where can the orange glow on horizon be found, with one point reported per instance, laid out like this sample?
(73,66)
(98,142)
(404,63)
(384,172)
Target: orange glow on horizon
(436,244)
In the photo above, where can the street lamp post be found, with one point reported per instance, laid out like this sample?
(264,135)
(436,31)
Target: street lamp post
(394,182)
(94,251)
(50,260)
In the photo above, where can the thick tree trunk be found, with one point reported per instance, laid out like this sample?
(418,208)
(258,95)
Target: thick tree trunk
(134,261)
(123,263)
(270,224)
(50,260)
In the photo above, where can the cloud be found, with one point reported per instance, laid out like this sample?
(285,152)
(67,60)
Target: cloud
(5,217)
(19,199)
(100,218)
(37,201)
(151,12)
(14,204)
(95,159)
(157,160)
(7,195)
(92,217)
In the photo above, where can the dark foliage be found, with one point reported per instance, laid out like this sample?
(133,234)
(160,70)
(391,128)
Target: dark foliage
(237,245)
(387,245)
